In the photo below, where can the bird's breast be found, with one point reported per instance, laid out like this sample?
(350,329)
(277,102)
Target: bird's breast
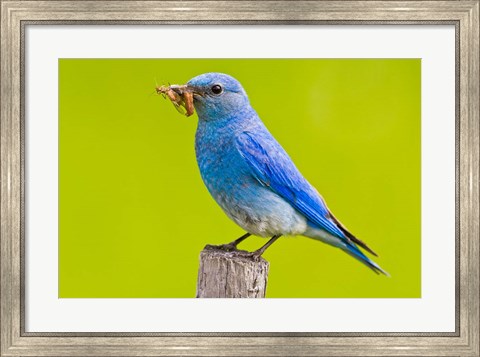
(220,163)
(245,200)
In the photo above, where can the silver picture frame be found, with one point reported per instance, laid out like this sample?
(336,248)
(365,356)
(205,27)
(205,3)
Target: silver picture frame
(17,15)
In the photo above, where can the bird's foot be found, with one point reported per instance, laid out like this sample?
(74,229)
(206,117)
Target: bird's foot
(230,247)
(255,256)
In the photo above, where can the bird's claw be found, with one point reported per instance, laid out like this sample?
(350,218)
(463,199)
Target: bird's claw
(255,256)
(227,247)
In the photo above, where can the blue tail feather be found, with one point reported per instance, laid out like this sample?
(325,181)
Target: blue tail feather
(356,253)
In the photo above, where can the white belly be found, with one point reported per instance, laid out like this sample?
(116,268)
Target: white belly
(266,216)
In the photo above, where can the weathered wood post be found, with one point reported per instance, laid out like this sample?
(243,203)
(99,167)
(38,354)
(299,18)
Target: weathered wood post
(231,274)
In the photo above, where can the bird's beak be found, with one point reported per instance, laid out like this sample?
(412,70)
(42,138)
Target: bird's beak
(182,89)
(196,91)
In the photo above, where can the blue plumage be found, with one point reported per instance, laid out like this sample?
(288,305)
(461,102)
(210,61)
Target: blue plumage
(251,176)
(280,175)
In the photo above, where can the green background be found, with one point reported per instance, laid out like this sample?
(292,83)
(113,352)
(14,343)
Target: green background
(134,213)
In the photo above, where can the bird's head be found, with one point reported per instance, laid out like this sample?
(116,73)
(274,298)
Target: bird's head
(217,96)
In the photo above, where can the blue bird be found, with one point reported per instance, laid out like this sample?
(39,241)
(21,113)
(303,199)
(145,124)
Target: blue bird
(251,176)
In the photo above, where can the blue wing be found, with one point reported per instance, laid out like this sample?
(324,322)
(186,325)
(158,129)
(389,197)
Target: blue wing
(273,168)
(280,175)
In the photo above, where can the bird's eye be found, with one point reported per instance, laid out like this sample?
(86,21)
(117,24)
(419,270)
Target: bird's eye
(217,89)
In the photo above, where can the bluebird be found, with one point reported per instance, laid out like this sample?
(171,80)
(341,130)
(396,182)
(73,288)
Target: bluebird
(250,175)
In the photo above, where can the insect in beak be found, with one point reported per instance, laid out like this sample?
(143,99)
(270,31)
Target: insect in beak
(180,96)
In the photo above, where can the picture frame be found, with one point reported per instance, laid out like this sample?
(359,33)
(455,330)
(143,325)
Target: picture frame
(16,15)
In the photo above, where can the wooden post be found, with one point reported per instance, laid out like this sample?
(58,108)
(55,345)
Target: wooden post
(231,274)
